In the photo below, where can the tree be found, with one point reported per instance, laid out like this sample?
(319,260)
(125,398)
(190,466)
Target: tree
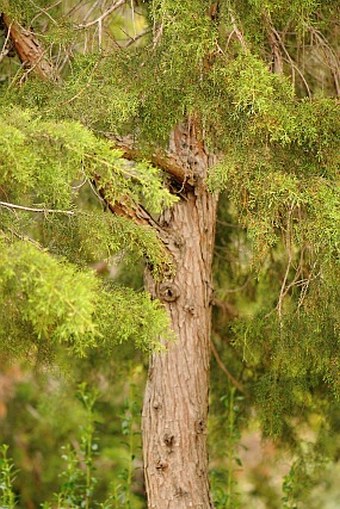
(201,94)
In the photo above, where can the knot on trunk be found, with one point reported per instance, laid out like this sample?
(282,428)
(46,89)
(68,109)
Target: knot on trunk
(169,440)
(168,292)
(180,492)
(161,465)
(200,426)
(190,308)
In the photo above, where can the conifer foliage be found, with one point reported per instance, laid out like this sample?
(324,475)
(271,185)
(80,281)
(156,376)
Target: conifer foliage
(121,124)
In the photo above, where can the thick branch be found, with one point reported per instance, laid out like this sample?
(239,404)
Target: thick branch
(274,43)
(276,53)
(161,159)
(29,50)
(128,209)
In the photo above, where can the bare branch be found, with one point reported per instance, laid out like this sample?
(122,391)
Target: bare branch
(331,57)
(238,32)
(137,37)
(4,49)
(300,73)
(44,11)
(35,209)
(275,47)
(283,290)
(157,33)
(24,237)
(305,285)
(274,43)
(91,9)
(161,159)
(230,377)
(133,17)
(291,61)
(100,19)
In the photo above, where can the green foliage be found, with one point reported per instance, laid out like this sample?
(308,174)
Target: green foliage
(80,476)
(279,160)
(122,487)
(7,477)
(78,479)
(103,236)
(280,175)
(47,302)
(224,485)
(144,323)
(47,157)
(50,298)
(46,165)
(302,476)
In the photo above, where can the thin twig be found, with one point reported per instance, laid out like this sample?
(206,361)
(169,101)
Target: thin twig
(133,18)
(290,257)
(95,192)
(230,377)
(74,8)
(331,57)
(291,61)
(157,34)
(113,7)
(296,281)
(229,37)
(26,238)
(4,52)
(90,11)
(306,286)
(43,11)
(100,34)
(294,66)
(240,288)
(238,32)
(35,209)
(137,37)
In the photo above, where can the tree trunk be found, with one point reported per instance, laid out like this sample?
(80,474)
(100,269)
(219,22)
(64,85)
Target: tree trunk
(176,399)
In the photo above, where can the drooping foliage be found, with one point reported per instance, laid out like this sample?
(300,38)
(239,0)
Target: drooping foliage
(258,81)
(46,210)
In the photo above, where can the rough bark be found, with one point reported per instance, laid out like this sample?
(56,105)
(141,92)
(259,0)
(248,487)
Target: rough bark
(176,399)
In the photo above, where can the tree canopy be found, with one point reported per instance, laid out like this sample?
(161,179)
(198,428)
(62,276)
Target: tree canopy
(88,165)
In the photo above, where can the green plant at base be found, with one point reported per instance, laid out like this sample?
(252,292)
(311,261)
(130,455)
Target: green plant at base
(7,477)
(78,479)
(122,491)
(302,476)
(223,481)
